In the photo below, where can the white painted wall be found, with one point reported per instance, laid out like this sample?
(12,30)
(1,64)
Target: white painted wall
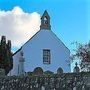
(14,71)
(33,53)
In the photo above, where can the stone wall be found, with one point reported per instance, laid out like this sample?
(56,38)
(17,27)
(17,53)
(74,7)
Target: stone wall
(61,81)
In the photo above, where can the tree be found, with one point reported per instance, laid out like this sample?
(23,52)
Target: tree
(82,52)
(6,60)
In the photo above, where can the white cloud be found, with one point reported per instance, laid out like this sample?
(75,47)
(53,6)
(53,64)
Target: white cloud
(18,26)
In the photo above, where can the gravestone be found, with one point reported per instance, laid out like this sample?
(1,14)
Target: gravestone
(38,71)
(59,70)
(48,72)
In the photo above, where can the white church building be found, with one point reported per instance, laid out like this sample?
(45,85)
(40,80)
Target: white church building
(43,50)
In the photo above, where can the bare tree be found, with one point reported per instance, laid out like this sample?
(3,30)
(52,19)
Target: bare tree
(82,53)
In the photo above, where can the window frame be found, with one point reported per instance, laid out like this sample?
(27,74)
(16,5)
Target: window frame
(46,56)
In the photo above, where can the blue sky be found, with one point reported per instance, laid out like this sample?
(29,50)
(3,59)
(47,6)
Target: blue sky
(70,19)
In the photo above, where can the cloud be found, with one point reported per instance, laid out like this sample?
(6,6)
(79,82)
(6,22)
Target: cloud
(18,26)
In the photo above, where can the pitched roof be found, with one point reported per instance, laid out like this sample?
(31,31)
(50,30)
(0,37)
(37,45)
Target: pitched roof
(17,51)
(34,36)
(45,14)
(26,42)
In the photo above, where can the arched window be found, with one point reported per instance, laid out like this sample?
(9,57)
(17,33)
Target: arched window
(45,20)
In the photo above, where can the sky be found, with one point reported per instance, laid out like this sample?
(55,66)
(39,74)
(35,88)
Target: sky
(20,19)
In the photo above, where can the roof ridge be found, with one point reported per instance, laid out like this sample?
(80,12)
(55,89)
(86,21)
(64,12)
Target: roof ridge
(27,42)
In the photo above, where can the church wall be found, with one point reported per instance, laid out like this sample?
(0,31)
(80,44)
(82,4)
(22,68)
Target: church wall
(15,70)
(33,52)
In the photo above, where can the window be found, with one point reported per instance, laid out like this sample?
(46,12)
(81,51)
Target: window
(46,56)
(45,20)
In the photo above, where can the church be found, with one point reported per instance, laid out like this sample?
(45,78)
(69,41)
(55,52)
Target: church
(43,50)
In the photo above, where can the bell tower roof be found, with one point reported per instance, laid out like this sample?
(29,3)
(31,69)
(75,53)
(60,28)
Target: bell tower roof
(45,21)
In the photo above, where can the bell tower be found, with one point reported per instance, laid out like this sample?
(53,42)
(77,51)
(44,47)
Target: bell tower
(45,21)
